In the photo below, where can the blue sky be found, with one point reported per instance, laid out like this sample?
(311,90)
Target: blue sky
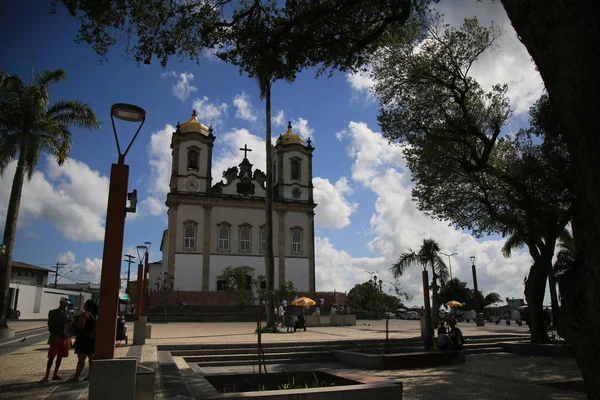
(365,217)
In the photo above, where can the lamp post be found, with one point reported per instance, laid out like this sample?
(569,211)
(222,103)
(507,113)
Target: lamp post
(450,261)
(476,294)
(371,273)
(116,212)
(139,299)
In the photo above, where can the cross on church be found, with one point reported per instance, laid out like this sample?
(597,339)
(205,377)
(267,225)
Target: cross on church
(246,150)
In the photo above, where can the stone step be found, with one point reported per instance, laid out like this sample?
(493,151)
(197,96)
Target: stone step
(483,350)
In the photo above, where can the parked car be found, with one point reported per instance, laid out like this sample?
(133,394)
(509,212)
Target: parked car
(412,315)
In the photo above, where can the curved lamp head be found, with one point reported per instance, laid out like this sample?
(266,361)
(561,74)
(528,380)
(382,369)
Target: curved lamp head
(129,113)
(141,250)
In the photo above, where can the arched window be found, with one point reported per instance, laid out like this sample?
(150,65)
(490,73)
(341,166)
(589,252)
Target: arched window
(296,241)
(192,159)
(263,240)
(245,239)
(189,237)
(295,169)
(224,238)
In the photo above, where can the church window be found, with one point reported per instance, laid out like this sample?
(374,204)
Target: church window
(224,238)
(245,239)
(295,169)
(193,159)
(263,240)
(296,241)
(189,237)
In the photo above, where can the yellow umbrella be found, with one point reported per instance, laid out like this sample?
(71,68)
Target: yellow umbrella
(303,301)
(454,303)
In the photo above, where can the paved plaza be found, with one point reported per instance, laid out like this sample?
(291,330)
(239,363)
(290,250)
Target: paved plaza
(484,376)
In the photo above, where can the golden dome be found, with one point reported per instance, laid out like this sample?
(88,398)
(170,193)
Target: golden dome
(290,136)
(193,125)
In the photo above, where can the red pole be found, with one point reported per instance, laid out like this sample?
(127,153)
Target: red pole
(426,300)
(145,286)
(111,262)
(476,294)
(139,285)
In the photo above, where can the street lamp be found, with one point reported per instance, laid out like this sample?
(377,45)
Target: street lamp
(476,294)
(116,212)
(450,261)
(371,273)
(143,254)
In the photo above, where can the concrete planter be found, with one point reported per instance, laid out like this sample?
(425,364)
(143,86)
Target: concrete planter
(7,333)
(343,319)
(419,359)
(312,320)
(353,386)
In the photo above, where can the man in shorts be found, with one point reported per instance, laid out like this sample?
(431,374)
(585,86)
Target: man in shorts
(59,320)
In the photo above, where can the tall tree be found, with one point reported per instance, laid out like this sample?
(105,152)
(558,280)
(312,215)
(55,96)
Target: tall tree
(549,31)
(268,40)
(29,126)
(453,129)
(427,256)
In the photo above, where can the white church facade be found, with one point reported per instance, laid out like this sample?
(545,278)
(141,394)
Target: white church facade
(213,225)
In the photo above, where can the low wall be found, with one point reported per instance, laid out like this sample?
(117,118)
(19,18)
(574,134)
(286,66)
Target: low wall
(34,302)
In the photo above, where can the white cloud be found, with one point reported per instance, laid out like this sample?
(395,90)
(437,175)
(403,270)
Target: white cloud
(154,206)
(159,152)
(183,87)
(333,209)
(278,119)
(397,225)
(231,156)
(72,198)
(210,113)
(243,107)
(88,270)
(362,83)
(300,126)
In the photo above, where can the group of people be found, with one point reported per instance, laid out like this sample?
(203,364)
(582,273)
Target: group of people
(64,323)
(449,336)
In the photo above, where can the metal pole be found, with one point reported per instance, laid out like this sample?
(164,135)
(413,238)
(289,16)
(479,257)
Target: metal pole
(139,288)
(145,284)
(129,261)
(476,294)
(111,262)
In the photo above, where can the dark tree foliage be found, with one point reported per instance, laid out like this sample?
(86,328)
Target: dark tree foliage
(465,171)
(457,290)
(369,296)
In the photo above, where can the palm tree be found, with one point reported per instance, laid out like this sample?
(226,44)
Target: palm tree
(30,125)
(427,256)
(516,241)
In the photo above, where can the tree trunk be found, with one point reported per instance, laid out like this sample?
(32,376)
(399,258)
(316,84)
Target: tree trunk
(553,297)
(562,38)
(535,288)
(435,308)
(269,258)
(10,233)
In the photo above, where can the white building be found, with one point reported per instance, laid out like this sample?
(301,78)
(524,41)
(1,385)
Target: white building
(213,226)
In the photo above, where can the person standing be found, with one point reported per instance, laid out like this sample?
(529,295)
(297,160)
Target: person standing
(85,340)
(59,320)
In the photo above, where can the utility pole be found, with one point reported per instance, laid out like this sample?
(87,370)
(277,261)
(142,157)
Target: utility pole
(58,266)
(129,261)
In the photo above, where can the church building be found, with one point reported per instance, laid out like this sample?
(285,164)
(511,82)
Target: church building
(213,225)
